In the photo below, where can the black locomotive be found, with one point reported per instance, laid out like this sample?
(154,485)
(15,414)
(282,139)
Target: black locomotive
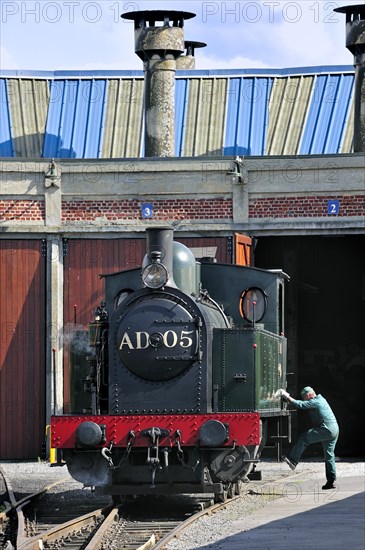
(185,362)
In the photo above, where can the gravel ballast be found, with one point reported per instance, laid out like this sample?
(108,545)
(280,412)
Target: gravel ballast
(28,477)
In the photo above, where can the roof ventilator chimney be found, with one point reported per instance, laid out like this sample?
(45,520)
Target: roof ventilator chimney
(159,46)
(355,42)
(187,61)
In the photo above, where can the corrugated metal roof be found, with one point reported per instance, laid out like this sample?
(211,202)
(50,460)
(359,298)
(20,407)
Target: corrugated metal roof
(75,123)
(205,117)
(25,110)
(328,107)
(287,113)
(123,119)
(247,116)
(244,112)
(6,140)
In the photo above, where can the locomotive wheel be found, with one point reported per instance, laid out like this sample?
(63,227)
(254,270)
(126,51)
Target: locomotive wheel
(230,490)
(220,497)
(238,487)
(234,489)
(230,465)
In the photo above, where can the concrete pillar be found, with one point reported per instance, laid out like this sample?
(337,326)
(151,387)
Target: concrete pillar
(53,194)
(54,344)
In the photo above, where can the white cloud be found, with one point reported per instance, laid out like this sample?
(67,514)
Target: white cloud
(204,61)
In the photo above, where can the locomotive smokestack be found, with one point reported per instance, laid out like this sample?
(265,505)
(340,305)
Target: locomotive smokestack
(355,42)
(160,243)
(159,46)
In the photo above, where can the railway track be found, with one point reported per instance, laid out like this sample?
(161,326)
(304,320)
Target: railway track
(143,523)
(137,525)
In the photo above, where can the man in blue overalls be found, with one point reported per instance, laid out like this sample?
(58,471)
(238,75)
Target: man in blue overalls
(325,430)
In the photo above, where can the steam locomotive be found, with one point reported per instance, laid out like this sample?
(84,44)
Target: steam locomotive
(184,364)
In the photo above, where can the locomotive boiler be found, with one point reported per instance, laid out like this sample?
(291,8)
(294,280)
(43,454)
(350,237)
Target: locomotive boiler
(184,363)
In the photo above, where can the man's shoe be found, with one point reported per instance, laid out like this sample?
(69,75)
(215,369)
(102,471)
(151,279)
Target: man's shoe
(329,485)
(292,465)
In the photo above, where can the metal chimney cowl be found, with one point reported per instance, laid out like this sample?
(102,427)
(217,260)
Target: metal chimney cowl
(355,42)
(159,46)
(187,61)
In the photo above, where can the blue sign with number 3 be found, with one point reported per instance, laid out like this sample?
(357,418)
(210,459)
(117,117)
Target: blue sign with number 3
(333,207)
(147,210)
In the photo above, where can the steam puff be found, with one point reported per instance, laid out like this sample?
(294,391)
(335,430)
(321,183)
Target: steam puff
(77,337)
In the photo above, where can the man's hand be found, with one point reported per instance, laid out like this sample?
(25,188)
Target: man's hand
(282,393)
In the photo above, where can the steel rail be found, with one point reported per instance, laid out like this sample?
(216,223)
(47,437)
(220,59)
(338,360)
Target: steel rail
(207,511)
(96,540)
(221,505)
(17,505)
(22,537)
(63,530)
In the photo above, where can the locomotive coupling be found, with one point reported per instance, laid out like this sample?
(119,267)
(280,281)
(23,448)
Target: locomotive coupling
(153,458)
(106,452)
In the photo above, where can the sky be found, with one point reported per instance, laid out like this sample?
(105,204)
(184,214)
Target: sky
(48,35)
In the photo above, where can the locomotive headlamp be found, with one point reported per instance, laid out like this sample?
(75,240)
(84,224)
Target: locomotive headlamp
(155,274)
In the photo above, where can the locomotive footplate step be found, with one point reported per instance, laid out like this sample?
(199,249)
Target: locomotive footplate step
(145,489)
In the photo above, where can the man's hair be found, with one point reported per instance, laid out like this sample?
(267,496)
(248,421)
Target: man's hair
(306,390)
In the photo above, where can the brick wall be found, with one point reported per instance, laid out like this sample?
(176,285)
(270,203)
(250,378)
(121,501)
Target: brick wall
(304,206)
(188,209)
(22,210)
(171,209)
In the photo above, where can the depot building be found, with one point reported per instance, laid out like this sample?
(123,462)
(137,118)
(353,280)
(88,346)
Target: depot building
(254,167)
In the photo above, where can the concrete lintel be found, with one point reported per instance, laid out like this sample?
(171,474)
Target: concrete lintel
(306,226)
(306,176)
(346,160)
(283,226)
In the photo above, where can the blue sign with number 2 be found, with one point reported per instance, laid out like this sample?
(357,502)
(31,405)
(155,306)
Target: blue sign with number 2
(333,207)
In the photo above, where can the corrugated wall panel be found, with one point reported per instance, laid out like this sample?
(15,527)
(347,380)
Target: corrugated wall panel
(22,352)
(216,113)
(76,119)
(123,119)
(189,145)
(205,117)
(326,114)
(28,100)
(288,108)
(342,100)
(246,124)
(347,145)
(181,104)
(6,140)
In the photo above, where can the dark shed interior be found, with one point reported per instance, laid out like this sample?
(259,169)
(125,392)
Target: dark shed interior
(325,325)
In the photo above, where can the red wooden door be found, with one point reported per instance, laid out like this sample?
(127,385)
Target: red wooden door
(84,261)
(22,350)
